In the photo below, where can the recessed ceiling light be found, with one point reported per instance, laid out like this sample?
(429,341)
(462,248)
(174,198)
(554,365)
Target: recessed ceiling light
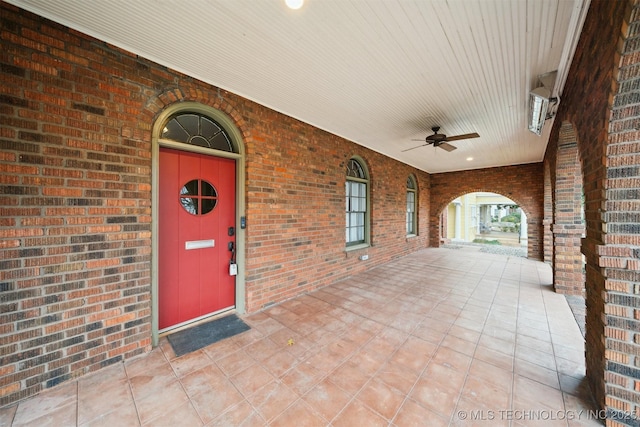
(294,4)
(469,159)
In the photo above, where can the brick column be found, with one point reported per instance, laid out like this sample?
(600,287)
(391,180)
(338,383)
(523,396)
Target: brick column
(619,256)
(568,227)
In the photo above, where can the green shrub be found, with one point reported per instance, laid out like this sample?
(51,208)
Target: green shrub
(511,218)
(487,241)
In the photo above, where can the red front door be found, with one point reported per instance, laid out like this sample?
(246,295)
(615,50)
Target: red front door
(197,215)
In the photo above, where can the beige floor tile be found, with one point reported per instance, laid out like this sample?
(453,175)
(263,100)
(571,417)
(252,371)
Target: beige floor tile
(142,365)
(534,343)
(124,414)
(221,349)
(464,334)
(211,404)
(7,414)
(473,413)
(60,416)
(496,358)
(492,374)
(472,332)
(152,405)
(190,362)
(410,360)
(205,379)
(264,348)
(497,344)
(459,345)
(93,405)
(489,394)
(183,415)
(235,362)
(397,376)
(299,415)
(537,373)
(242,414)
(532,395)
(251,379)
(157,377)
(438,388)
(358,414)
(379,348)
(500,330)
(280,363)
(47,405)
(302,378)
(452,359)
(272,399)
(366,362)
(247,337)
(383,399)
(436,396)
(327,399)
(349,377)
(412,414)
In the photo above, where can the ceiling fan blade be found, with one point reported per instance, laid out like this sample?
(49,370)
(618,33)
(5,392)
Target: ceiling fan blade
(447,147)
(465,136)
(413,148)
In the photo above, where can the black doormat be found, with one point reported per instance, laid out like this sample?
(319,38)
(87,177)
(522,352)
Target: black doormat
(202,335)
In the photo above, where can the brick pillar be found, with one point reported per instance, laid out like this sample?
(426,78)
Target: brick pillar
(568,227)
(619,256)
(548,212)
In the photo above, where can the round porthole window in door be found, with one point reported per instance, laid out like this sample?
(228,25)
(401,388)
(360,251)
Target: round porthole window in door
(198,197)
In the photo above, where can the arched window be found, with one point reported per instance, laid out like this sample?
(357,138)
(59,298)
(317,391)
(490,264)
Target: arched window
(357,203)
(412,202)
(197,129)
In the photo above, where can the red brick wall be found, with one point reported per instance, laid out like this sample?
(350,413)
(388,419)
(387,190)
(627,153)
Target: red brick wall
(75,197)
(547,221)
(523,184)
(600,102)
(295,208)
(567,225)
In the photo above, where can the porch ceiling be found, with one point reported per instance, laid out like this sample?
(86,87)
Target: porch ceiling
(380,73)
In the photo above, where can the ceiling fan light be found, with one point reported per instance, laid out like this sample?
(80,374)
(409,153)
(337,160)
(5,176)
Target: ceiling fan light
(294,4)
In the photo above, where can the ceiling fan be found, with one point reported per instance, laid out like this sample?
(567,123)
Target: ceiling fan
(440,140)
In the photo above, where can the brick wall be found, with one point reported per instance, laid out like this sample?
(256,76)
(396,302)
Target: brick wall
(548,249)
(295,208)
(600,102)
(523,184)
(74,213)
(567,224)
(75,197)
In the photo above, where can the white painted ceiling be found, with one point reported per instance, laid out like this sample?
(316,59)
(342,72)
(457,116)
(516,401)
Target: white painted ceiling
(380,73)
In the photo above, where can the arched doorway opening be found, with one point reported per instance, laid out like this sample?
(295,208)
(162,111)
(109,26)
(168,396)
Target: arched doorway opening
(486,219)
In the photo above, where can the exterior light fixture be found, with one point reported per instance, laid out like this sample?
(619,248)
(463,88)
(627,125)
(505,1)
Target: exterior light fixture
(540,101)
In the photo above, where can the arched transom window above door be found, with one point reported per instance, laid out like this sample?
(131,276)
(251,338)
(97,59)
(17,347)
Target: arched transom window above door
(197,129)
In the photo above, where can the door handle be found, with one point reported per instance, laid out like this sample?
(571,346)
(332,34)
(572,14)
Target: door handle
(232,249)
(233,268)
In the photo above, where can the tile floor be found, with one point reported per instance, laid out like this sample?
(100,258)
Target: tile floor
(438,338)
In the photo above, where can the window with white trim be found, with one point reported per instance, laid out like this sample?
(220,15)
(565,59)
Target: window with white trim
(412,202)
(357,214)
